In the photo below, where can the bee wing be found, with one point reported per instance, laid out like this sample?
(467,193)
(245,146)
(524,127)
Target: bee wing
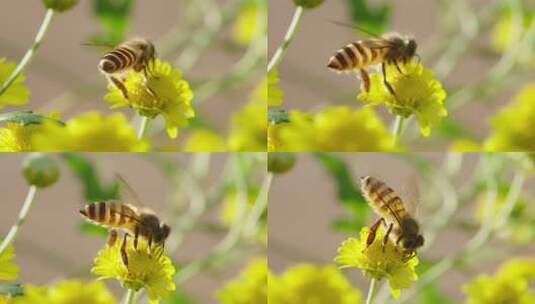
(411,194)
(356,27)
(376,43)
(127,192)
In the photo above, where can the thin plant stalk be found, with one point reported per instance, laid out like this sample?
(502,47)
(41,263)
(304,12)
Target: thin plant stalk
(279,53)
(20,220)
(398,129)
(371,291)
(130,296)
(143,127)
(30,52)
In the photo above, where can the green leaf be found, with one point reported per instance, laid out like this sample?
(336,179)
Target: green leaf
(92,229)
(114,19)
(24,118)
(431,294)
(277,116)
(453,130)
(87,173)
(178,297)
(374,18)
(347,190)
(11,289)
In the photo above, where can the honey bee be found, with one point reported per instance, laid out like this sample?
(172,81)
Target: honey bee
(116,215)
(401,227)
(391,48)
(136,54)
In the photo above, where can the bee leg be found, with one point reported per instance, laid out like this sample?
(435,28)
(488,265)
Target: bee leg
(385,81)
(365,78)
(373,232)
(387,234)
(120,85)
(124,256)
(398,68)
(136,236)
(112,237)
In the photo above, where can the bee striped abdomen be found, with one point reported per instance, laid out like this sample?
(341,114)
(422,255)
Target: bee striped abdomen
(110,214)
(354,56)
(383,198)
(119,59)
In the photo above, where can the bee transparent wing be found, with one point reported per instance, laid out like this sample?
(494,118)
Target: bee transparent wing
(356,27)
(411,195)
(376,43)
(127,192)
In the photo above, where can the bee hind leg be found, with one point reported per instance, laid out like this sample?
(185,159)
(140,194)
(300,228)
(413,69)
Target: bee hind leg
(385,81)
(112,237)
(124,256)
(365,80)
(136,236)
(373,232)
(398,68)
(120,85)
(387,234)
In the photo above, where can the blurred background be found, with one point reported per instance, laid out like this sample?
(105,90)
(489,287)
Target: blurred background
(457,40)
(213,42)
(317,204)
(189,192)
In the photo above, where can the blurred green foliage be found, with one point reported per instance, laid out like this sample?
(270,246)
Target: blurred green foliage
(23,117)
(11,289)
(114,19)
(347,191)
(178,297)
(373,18)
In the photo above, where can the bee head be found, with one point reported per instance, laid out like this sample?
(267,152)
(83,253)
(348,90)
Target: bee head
(163,233)
(412,239)
(411,47)
(413,242)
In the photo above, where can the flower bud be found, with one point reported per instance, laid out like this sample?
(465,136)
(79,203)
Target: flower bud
(308,3)
(279,162)
(60,5)
(40,170)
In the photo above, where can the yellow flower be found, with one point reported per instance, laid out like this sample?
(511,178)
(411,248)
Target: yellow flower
(17,93)
(204,140)
(465,145)
(275,93)
(417,93)
(66,292)
(154,272)
(16,137)
(248,131)
(89,132)
(502,37)
(246,26)
(376,264)
(163,92)
(509,285)
(306,283)
(513,125)
(337,128)
(8,270)
(249,287)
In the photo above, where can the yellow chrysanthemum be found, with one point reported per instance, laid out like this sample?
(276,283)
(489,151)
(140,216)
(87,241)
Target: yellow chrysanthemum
(9,271)
(513,126)
(511,284)
(204,140)
(417,93)
(163,92)
(337,128)
(275,93)
(248,131)
(306,283)
(66,292)
(150,270)
(89,132)
(375,263)
(504,32)
(246,26)
(15,137)
(251,286)
(17,93)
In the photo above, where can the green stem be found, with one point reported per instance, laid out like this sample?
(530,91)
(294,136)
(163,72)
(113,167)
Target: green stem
(398,128)
(130,296)
(371,291)
(143,127)
(279,53)
(30,52)
(20,220)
